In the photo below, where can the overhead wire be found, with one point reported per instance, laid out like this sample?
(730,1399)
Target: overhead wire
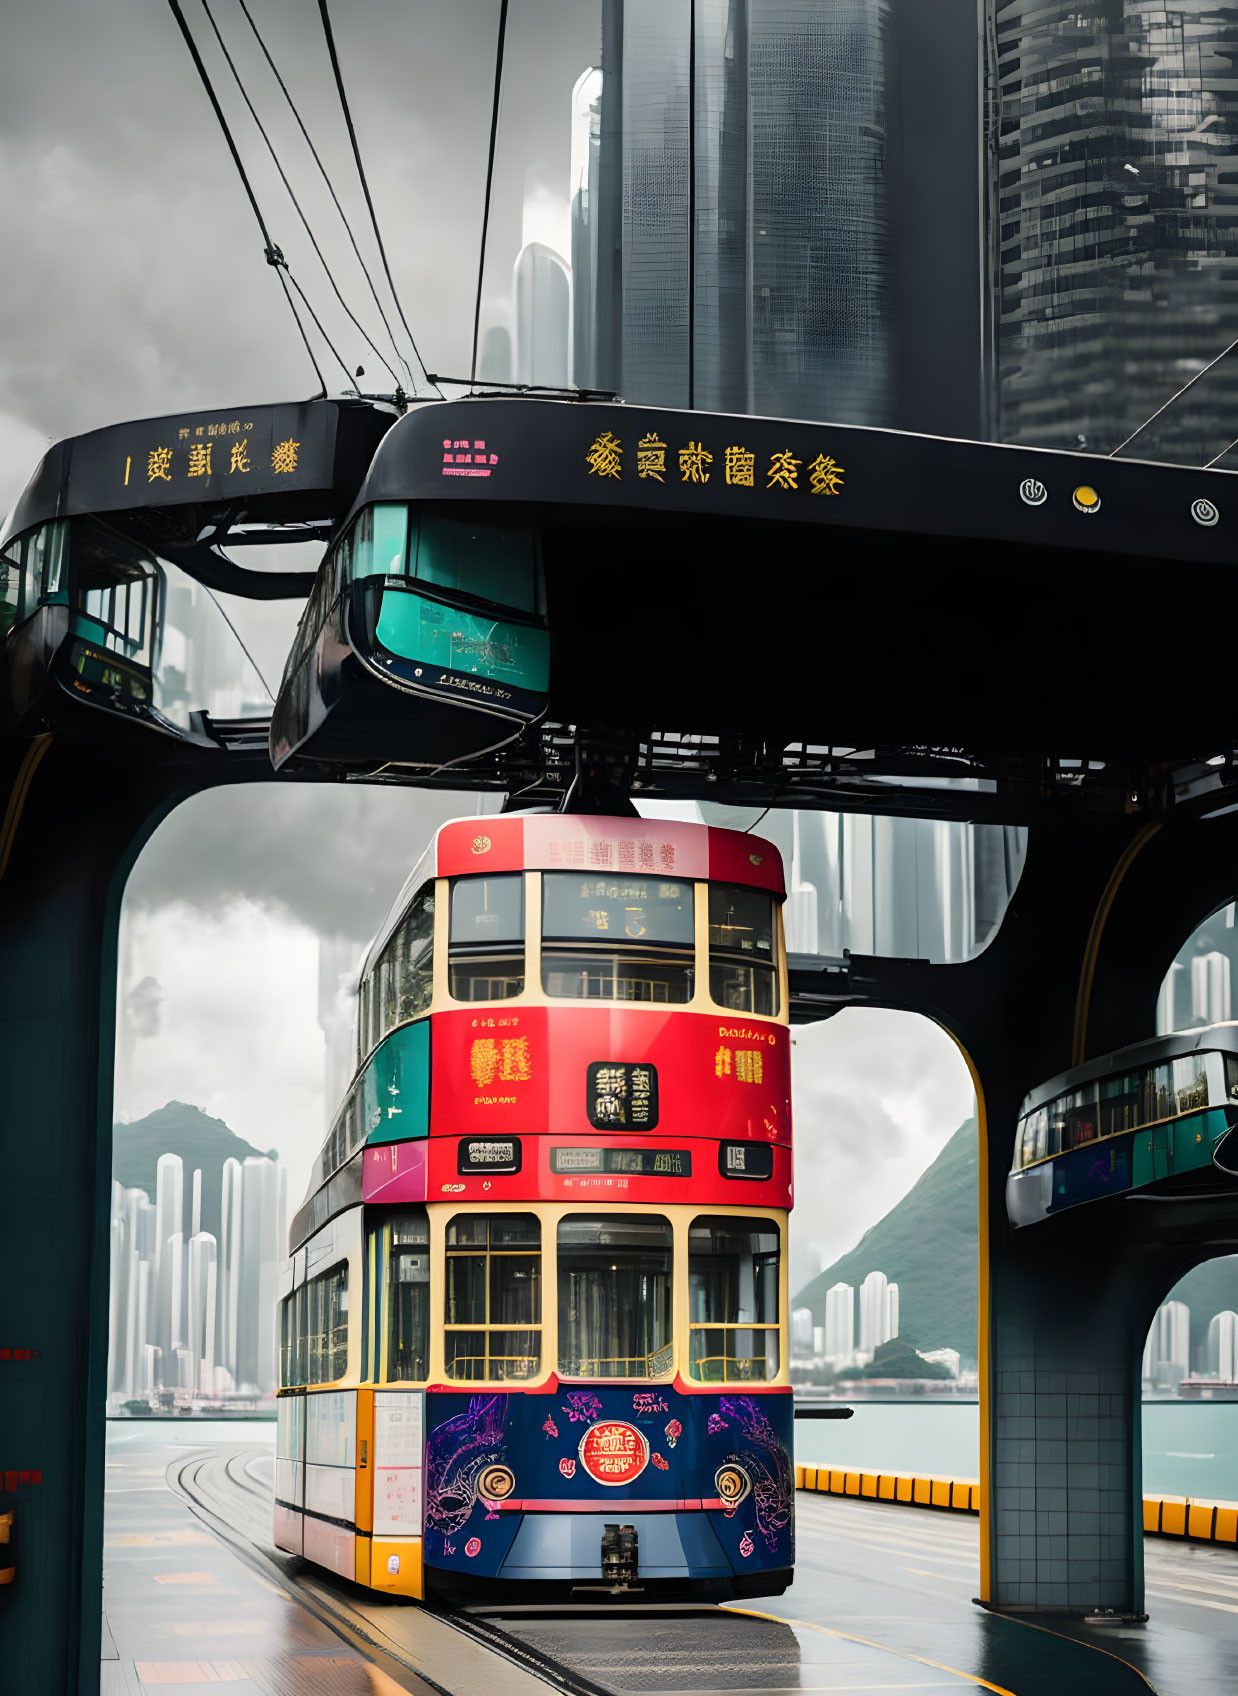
(314,154)
(325,15)
(485,211)
(1190,384)
(274,257)
(283,177)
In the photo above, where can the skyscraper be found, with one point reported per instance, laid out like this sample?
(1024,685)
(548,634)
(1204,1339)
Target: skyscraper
(1223,1346)
(543,295)
(839,1321)
(878,1312)
(1113,247)
(1167,1355)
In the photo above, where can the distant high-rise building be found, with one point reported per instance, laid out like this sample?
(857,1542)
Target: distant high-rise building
(878,1315)
(1209,988)
(1168,1351)
(260,1257)
(1113,246)
(202,1308)
(229,1277)
(801,1331)
(543,295)
(1223,1346)
(839,1321)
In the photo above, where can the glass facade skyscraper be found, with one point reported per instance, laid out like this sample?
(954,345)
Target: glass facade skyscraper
(728,208)
(1113,242)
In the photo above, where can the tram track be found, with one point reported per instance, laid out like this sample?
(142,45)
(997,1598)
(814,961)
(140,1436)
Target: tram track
(229,1508)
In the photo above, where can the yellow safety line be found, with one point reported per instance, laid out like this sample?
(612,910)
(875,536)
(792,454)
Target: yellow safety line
(1092,949)
(850,1637)
(17,799)
(1017,1619)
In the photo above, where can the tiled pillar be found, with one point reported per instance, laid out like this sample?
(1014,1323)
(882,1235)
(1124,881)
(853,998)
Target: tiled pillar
(1066,1496)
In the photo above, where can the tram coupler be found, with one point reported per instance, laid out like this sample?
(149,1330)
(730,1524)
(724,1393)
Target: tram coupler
(620,1554)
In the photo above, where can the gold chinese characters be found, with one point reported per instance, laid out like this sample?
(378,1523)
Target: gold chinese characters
(604,458)
(195,456)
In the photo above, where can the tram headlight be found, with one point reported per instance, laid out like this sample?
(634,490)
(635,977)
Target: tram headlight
(732,1483)
(496,1482)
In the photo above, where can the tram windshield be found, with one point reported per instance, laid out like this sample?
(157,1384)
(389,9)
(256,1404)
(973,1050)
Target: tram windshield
(486,941)
(615,1296)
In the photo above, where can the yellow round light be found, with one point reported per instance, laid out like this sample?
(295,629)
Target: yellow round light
(1086,496)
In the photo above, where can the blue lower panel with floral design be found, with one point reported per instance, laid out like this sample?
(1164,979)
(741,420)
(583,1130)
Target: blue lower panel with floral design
(520,1486)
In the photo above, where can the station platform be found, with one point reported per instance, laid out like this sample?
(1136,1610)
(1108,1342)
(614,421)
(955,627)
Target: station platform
(882,1601)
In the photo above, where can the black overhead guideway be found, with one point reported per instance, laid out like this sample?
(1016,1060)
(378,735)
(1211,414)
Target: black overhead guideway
(770,612)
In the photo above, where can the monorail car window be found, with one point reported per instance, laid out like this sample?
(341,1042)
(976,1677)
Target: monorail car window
(493,563)
(408,1341)
(743,970)
(1148,1095)
(486,943)
(621,936)
(31,570)
(615,1296)
(327,1325)
(401,983)
(733,1300)
(492,1302)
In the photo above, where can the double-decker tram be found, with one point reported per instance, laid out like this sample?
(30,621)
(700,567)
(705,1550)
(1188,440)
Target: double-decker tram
(1159,1116)
(534,1320)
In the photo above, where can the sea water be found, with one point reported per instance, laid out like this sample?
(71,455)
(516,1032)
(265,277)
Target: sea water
(1189,1448)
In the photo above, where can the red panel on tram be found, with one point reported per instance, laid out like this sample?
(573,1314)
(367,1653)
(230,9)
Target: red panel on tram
(480,845)
(528,1070)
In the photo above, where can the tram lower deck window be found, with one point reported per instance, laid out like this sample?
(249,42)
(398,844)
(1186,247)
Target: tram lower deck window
(492,1300)
(615,1296)
(733,1300)
(408,1334)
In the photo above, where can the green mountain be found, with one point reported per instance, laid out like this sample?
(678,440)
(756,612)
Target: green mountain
(203,1143)
(927,1244)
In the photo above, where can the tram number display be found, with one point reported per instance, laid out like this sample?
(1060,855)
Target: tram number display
(745,1160)
(621,1096)
(488,1154)
(629,1162)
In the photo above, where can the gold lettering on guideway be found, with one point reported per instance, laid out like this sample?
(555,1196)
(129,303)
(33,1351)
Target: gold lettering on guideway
(740,466)
(239,460)
(200,459)
(651,457)
(692,462)
(605,457)
(783,469)
(826,476)
(284,456)
(159,465)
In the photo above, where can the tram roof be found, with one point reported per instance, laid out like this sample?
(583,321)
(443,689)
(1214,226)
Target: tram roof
(534,450)
(588,842)
(1208,1039)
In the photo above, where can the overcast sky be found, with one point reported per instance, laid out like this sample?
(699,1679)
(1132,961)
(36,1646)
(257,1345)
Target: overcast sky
(135,285)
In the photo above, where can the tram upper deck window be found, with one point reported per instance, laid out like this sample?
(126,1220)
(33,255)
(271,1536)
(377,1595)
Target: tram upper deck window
(292,1361)
(327,1325)
(615,1297)
(733,1300)
(408,1295)
(617,937)
(492,1299)
(743,961)
(486,943)
(401,983)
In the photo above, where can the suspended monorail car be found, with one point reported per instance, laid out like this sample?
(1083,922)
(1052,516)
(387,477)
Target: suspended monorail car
(534,1320)
(1159,1117)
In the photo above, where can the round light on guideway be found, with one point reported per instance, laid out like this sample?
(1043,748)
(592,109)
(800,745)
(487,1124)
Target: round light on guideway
(1086,499)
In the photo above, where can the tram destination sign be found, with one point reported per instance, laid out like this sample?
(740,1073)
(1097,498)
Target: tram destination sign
(621,1096)
(626,1162)
(489,1154)
(745,1160)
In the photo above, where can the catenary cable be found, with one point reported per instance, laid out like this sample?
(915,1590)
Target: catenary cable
(274,257)
(314,154)
(283,177)
(325,14)
(1190,384)
(485,210)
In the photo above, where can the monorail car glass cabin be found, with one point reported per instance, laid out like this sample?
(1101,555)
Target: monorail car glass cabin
(534,1323)
(424,640)
(1158,1116)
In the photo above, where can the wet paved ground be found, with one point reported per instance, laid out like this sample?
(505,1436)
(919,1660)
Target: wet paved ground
(882,1602)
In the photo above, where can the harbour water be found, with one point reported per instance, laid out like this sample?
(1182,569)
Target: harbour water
(1189,1448)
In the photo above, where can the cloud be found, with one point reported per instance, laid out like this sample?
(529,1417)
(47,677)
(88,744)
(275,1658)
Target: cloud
(142,1006)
